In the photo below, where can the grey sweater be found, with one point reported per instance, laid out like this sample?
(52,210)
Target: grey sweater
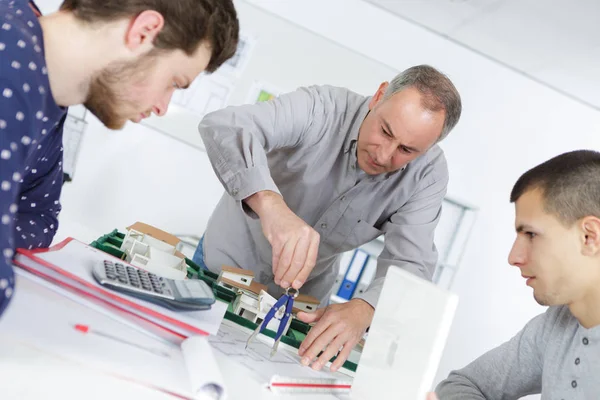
(553,355)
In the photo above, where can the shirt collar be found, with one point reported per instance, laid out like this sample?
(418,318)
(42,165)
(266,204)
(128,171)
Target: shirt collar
(352,137)
(36,9)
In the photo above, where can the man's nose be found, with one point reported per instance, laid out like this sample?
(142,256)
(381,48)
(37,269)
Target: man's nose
(384,155)
(516,257)
(162,106)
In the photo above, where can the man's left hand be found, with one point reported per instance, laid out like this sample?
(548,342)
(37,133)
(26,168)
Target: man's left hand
(338,326)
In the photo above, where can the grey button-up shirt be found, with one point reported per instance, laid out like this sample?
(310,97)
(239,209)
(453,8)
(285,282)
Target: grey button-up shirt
(302,145)
(553,355)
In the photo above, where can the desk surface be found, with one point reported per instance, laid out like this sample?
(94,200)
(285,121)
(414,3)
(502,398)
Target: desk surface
(30,373)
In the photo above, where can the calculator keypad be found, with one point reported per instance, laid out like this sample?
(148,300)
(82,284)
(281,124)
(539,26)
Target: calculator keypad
(138,278)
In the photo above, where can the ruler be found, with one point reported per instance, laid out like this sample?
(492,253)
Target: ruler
(281,385)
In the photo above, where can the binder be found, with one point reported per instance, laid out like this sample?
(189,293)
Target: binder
(345,261)
(367,276)
(352,277)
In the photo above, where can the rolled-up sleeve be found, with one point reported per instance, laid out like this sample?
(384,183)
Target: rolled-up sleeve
(238,139)
(409,233)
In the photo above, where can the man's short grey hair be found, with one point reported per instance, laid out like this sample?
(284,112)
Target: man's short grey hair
(437,90)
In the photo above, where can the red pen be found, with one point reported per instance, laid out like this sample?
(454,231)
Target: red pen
(85,329)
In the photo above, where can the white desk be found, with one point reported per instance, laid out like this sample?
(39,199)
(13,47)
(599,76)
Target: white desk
(28,373)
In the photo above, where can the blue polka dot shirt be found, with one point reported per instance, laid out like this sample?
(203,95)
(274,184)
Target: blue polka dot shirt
(30,141)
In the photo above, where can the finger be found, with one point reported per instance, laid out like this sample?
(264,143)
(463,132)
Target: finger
(313,334)
(309,264)
(331,350)
(328,343)
(297,263)
(319,343)
(284,260)
(342,356)
(276,248)
(309,318)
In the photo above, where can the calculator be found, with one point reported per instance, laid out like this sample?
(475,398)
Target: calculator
(177,295)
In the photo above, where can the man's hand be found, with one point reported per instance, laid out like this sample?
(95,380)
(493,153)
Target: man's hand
(338,326)
(295,244)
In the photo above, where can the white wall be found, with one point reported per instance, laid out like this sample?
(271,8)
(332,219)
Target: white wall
(284,56)
(509,124)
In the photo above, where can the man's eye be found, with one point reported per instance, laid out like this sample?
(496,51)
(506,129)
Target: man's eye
(176,86)
(530,235)
(405,149)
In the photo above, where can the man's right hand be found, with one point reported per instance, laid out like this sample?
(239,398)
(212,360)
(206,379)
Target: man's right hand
(295,244)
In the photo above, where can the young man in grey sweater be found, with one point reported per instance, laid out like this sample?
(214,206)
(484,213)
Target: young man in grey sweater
(557,250)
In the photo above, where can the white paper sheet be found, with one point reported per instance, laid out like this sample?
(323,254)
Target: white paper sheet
(207,93)
(205,376)
(231,341)
(235,65)
(141,326)
(54,377)
(46,320)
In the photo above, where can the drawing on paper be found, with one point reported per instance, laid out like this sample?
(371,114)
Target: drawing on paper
(206,94)
(235,65)
(261,91)
(231,341)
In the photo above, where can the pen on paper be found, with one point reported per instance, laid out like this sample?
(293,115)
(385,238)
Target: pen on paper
(85,329)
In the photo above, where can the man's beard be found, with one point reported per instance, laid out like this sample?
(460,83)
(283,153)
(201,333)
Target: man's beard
(107,98)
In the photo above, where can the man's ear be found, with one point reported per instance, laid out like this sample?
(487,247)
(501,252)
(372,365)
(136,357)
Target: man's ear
(142,31)
(378,96)
(590,227)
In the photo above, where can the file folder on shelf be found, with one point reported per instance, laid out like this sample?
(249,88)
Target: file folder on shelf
(345,260)
(352,277)
(367,276)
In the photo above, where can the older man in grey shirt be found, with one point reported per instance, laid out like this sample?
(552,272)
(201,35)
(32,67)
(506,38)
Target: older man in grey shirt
(321,171)
(557,250)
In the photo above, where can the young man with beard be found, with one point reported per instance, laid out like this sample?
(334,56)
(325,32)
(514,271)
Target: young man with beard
(557,250)
(122,59)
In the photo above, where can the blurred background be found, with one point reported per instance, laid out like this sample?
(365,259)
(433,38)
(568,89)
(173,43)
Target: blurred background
(527,71)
